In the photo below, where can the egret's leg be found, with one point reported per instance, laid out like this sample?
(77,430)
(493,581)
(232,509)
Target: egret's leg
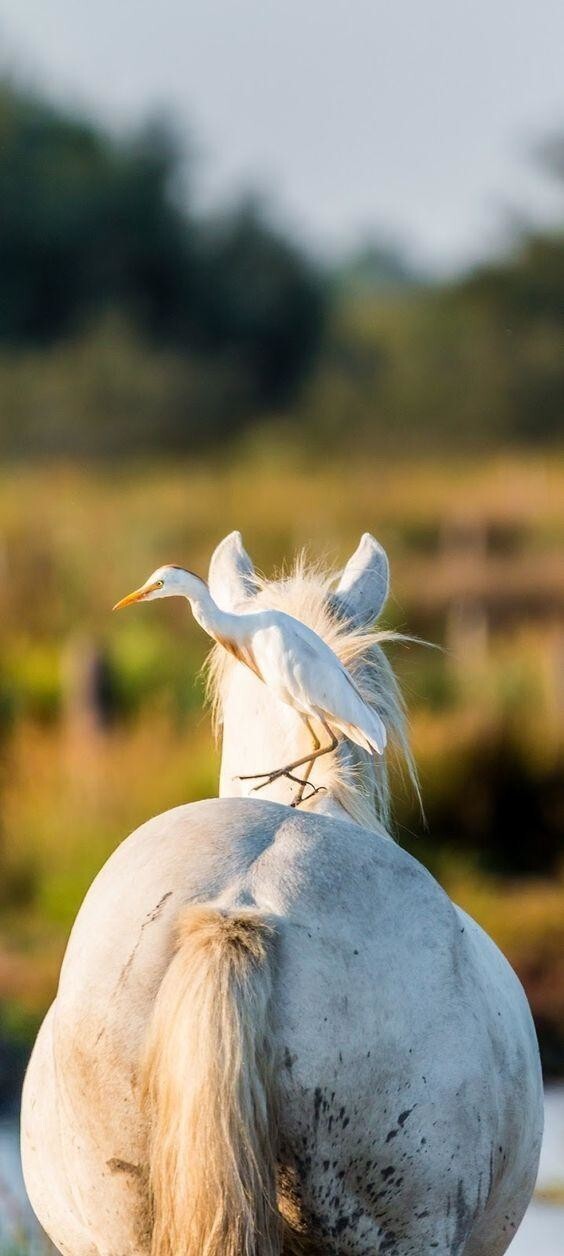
(315,789)
(305,780)
(269,777)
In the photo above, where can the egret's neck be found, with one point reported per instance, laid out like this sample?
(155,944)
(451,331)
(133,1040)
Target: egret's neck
(217,623)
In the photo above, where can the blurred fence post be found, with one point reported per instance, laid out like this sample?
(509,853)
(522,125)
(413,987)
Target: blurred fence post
(86,687)
(86,711)
(467,630)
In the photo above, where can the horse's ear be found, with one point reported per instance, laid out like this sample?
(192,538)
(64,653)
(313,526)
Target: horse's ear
(364,585)
(231,575)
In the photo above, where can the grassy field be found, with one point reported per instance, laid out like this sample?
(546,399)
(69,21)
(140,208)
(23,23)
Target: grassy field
(476,552)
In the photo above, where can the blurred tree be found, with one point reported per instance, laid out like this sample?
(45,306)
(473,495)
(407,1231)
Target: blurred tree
(520,303)
(379,266)
(260,299)
(85,223)
(116,297)
(89,224)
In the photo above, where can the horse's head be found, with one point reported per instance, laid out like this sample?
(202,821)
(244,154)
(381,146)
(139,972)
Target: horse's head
(259,731)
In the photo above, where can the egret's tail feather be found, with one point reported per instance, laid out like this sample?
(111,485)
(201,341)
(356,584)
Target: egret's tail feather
(209,1081)
(372,739)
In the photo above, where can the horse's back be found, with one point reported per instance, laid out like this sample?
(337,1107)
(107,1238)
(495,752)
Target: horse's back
(395,1069)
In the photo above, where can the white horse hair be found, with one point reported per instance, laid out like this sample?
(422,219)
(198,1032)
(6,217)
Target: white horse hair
(274,1033)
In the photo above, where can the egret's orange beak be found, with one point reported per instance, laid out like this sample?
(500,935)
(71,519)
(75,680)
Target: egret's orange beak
(137,596)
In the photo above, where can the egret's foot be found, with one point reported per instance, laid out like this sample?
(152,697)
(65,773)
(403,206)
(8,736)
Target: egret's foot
(304,783)
(258,776)
(307,759)
(266,778)
(302,797)
(269,777)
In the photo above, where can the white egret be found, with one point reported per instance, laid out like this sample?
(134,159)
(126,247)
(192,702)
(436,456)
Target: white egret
(290,658)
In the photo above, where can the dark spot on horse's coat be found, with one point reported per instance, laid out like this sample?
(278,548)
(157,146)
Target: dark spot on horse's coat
(115,1165)
(386,1173)
(149,919)
(388,1241)
(464,1219)
(421,1215)
(402,1118)
(154,915)
(491,1175)
(317,1097)
(392,1134)
(289,1059)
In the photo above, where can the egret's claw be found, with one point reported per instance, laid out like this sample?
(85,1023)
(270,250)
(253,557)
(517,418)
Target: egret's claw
(315,789)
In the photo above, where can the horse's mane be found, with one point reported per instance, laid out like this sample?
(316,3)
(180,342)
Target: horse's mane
(306,592)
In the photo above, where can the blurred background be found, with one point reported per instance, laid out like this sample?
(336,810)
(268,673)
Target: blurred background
(299,272)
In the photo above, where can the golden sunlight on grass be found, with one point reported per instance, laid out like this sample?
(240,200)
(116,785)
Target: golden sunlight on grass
(475,550)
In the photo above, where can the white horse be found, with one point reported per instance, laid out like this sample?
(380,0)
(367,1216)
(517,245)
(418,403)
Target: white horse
(274,1033)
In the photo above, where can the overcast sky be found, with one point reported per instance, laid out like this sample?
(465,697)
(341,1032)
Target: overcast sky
(415,118)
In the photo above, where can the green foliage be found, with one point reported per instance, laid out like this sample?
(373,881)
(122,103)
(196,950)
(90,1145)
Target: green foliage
(472,365)
(85,223)
(91,226)
(128,321)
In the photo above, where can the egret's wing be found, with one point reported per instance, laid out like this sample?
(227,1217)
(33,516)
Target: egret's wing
(332,691)
(305,672)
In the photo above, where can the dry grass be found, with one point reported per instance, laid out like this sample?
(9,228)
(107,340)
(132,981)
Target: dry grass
(476,563)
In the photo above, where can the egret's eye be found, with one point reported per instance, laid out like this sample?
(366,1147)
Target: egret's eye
(159,584)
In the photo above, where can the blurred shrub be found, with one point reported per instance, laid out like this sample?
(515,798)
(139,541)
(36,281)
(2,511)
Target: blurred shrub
(31,680)
(479,360)
(106,392)
(494,801)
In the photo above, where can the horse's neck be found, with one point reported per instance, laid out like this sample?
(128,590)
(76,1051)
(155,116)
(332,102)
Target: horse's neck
(350,789)
(326,804)
(255,744)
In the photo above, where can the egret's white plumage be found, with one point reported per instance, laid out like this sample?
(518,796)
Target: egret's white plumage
(288,656)
(306,674)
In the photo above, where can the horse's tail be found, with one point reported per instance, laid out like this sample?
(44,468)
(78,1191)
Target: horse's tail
(208,1075)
